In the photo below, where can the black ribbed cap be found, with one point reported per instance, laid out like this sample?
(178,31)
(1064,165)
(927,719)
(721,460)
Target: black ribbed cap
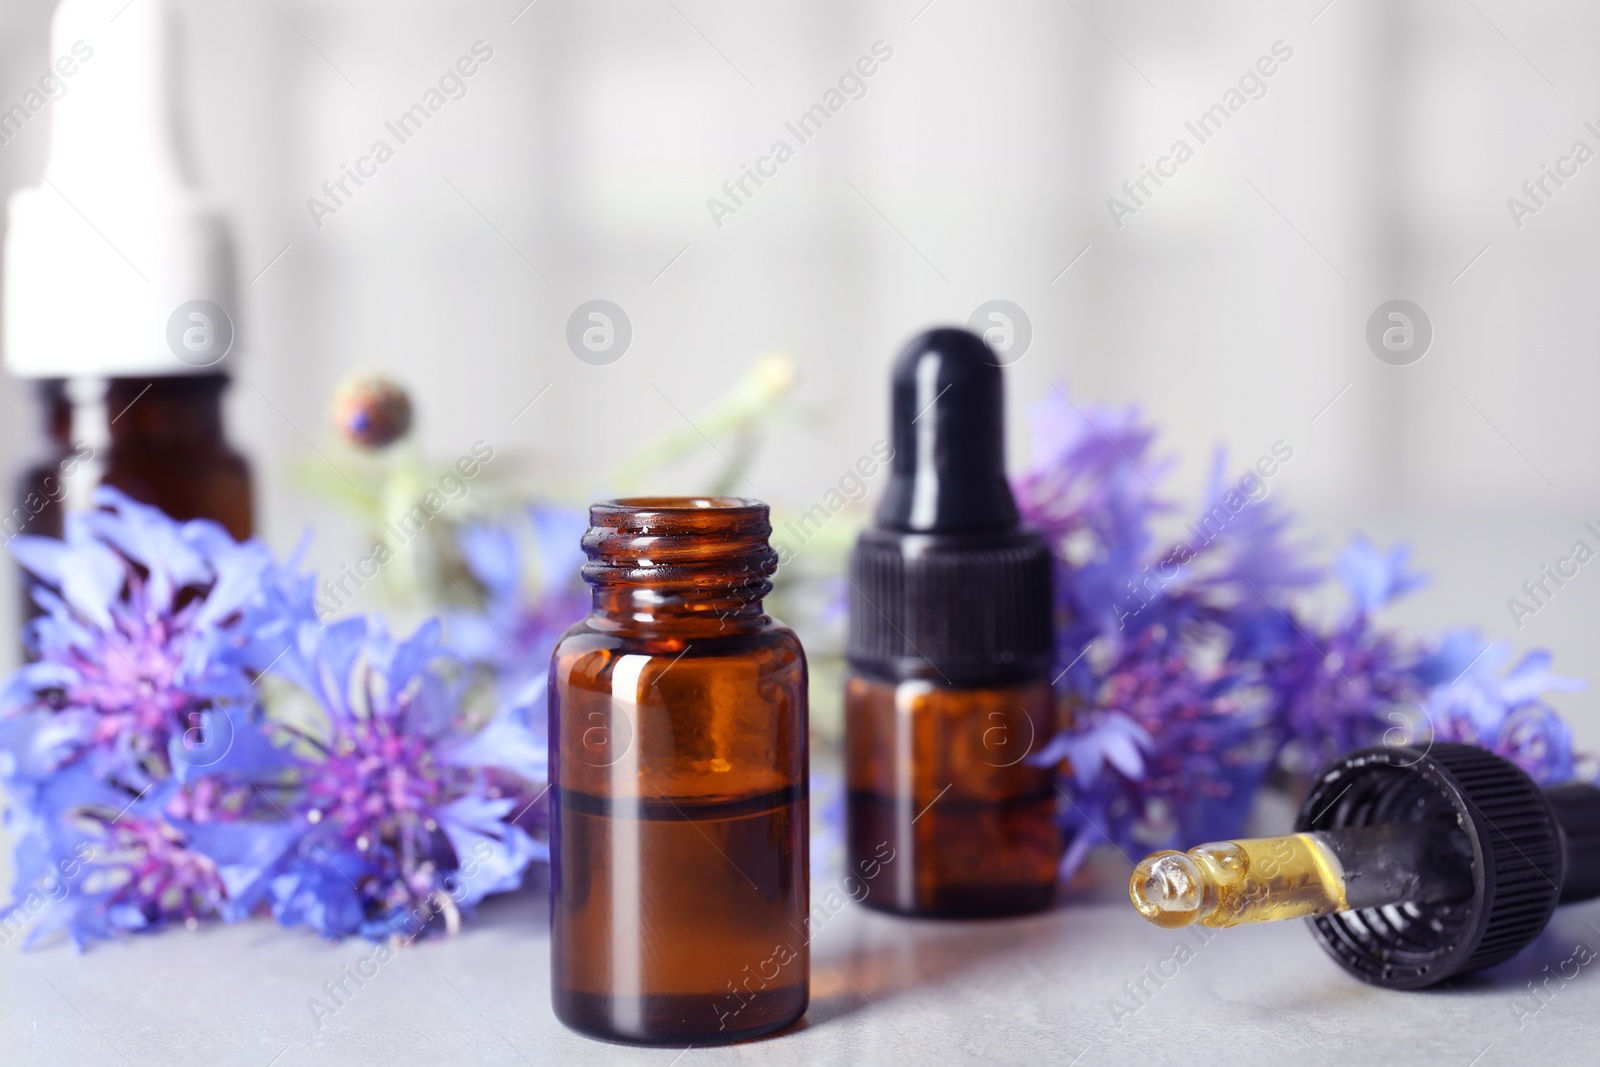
(1518,860)
(950,585)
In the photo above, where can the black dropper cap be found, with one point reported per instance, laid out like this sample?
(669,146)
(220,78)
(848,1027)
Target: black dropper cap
(1523,850)
(949,585)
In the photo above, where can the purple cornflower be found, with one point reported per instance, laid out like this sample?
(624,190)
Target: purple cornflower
(131,649)
(1343,690)
(1194,676)
(1091,489)
(1505,714)
(396,813)
(91,864)
(529,569)
(1088,489)
(1354,685)
(1164,752)
(132,660)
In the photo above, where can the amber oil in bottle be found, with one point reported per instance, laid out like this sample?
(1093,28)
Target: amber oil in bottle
(678,771)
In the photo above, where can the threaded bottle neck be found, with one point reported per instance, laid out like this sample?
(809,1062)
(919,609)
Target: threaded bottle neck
(684,563)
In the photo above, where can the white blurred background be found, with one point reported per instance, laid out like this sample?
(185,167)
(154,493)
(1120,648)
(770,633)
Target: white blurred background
(1232,307)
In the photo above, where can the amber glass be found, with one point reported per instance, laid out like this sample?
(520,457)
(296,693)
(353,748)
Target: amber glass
(41,488)
(940,774)
(168,449)
(678,772)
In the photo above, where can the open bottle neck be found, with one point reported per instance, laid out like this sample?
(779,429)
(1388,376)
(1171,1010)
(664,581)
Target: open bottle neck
(698,566)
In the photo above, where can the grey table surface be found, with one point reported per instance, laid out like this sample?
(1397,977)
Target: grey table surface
(1088,983)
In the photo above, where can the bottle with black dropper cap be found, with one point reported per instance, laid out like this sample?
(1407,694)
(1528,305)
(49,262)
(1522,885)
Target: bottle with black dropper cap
(950,642)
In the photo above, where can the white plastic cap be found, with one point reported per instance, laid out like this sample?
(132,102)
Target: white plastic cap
(116,264)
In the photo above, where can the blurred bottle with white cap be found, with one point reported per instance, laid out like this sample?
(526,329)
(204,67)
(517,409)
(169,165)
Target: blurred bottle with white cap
(119,283)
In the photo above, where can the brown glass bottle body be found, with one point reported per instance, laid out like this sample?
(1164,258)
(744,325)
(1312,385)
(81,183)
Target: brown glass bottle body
(940,774)
(168,449)
(41,487)
(678,769)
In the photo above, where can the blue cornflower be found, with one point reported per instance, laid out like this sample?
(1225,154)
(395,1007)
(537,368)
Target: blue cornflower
(1191,675)
(1164,752)
(139,612)
(392,814)
(1092,490)
(132,657)
(1506,714)
(529,569)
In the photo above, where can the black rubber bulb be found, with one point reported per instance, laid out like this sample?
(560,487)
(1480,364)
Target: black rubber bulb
(949,472)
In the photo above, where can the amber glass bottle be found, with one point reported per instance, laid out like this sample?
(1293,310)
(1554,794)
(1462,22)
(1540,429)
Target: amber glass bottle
(43,483)
(76,316)
(168,449)
(678,771)
(951,639)
(154,342)
(42,487)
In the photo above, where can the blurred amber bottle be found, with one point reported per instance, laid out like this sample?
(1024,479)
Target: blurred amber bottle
(168,449)
(52,459)
(158,439)
(128,322)
(951,639)
(41,489)
(678,770)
